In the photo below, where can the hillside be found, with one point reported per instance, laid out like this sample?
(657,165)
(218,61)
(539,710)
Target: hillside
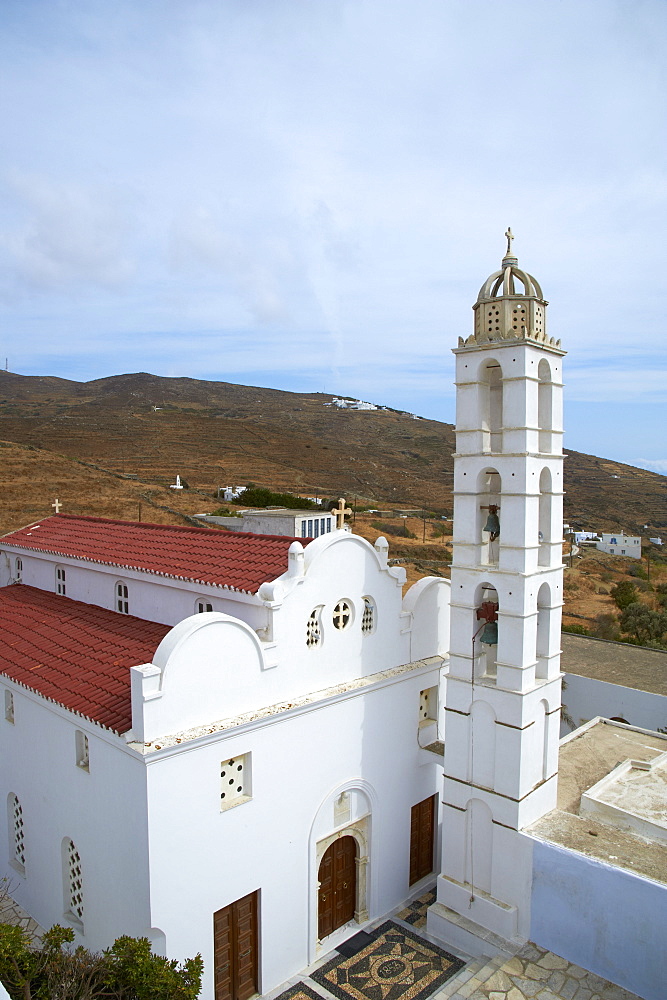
(217,433)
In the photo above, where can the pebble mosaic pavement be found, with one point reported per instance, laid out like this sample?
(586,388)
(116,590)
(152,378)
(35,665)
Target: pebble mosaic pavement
(531,974)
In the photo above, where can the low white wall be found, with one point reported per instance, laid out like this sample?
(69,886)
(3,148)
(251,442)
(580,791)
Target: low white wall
(585,698)
(605,919)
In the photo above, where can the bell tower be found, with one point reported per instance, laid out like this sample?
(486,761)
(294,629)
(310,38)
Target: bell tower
(503,687)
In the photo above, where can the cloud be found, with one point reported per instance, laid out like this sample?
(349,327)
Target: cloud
(70,237)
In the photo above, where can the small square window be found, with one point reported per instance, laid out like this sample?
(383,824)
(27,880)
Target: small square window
(82,751)
(428,705)
(9,706)
(203,607)
(235,781)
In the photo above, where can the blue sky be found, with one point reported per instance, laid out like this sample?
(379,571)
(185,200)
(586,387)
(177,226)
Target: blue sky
(308,194)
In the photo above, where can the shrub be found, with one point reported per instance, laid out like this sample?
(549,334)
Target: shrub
(643,625)
(260,496)
(576,629)
(126,971)
(606,627)
(625,593)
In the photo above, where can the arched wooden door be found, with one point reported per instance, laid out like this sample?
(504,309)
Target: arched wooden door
(338,886)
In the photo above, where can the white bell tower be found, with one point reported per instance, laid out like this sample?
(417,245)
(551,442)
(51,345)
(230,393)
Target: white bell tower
(503,687)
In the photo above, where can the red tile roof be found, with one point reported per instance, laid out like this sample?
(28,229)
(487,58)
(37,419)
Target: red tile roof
(236,560)
(75,654)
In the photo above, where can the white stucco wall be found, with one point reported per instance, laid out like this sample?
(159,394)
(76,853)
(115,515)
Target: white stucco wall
(584,698)
(102,811)
(203,858)
(154,598)
(605,919)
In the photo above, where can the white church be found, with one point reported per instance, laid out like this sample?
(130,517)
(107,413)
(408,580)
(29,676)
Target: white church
(253,746)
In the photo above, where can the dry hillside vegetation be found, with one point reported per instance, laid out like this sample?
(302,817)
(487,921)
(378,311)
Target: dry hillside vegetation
(217,433)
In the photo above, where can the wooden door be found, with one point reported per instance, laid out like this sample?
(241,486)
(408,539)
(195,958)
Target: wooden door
(338,886)
(422,838)
(235,949)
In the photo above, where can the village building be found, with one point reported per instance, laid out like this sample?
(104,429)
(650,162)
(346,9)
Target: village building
(277,521)
(254,745)
(617,543)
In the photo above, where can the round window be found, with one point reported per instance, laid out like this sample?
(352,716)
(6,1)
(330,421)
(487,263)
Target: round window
(342,615)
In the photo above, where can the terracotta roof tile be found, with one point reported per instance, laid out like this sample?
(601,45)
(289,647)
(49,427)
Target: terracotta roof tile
(76,654)
(236,560)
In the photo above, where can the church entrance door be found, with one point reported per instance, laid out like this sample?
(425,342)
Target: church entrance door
(235,950)
(338,886)
(422,839)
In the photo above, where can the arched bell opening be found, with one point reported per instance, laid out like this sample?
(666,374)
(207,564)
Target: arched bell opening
(491,405)
(543,635)
(489,487)
(485,633)
(545,390)
(544,519)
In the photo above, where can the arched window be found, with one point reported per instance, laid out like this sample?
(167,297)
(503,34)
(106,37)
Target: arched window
(489,488)
(543,637)
(368,617)
(491,405)
(122,598)
(201,607)
(545,407)
(544,519)
(314,628)
(485,633)
(16,834)
(18,570)
(73,882)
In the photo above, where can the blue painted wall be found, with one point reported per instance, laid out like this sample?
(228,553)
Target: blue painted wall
(605,919)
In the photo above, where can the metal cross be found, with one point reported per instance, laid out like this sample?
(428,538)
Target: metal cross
(340,511)
(57,505)
(510,237)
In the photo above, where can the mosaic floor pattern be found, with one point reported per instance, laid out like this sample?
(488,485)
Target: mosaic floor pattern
(396,964)
(299,992)
(415,912)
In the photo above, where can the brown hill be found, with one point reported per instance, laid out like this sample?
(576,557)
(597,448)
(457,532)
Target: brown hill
(218,433)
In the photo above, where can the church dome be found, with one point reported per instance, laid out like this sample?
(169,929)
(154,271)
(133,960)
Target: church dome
(510,306)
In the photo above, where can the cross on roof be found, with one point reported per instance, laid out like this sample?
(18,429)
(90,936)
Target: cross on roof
(510,236)
(340,511)
(57,505)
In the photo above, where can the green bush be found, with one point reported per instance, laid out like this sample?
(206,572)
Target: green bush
(576,629)
(260,496)
(127,971)
(624,594)
(644,626)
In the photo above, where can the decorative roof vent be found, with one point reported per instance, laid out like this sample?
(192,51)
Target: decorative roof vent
(510,306)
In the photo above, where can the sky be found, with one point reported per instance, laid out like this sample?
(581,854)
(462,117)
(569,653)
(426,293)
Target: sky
(308,194)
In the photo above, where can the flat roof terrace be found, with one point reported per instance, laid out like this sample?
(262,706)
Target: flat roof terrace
(585,757)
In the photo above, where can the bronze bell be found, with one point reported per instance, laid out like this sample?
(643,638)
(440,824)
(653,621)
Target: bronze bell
(492,525)
(490,634)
